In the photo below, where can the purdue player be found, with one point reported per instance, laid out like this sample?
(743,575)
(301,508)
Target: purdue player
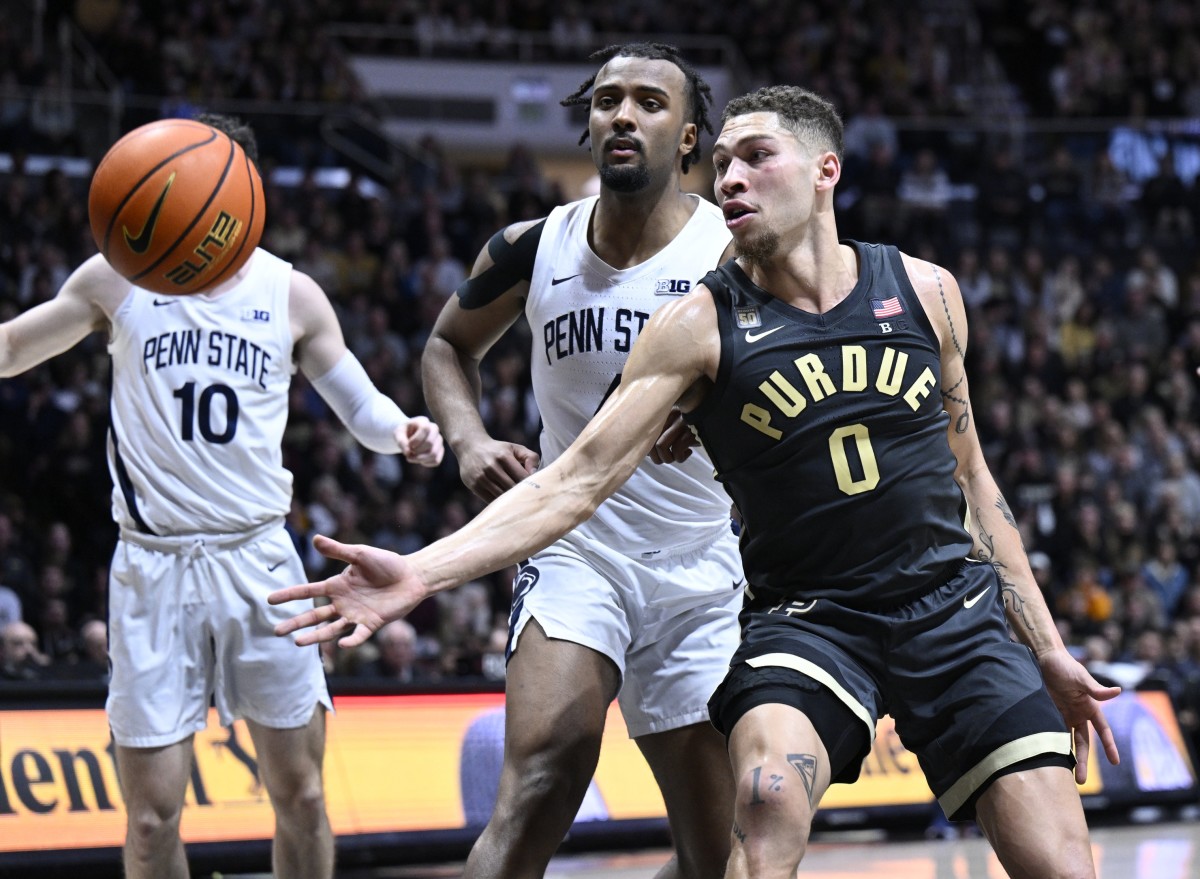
(199,406)
(640,602)
(827,380)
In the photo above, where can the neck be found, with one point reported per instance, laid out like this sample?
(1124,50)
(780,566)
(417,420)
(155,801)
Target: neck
(813,274)
(629,228)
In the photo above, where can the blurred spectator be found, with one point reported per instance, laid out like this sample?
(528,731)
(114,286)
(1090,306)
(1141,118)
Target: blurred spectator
(1003,204)
(399,657)
(10,606)
(924,199)
(20,660)
(1165,576)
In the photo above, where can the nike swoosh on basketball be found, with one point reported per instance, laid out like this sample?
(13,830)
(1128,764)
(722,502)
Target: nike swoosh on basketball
(554,282)
(971,602)
(754,337)
(140,243)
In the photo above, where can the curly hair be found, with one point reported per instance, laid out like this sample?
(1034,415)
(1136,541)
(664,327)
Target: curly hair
(814,120)
(696,90)
(239,132)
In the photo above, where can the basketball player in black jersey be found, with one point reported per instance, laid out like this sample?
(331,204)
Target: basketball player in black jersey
(826,379)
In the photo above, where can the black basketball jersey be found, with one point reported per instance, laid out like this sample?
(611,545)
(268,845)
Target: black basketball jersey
(829,434)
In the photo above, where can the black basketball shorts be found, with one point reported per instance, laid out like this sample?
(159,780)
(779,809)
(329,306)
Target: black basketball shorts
(966,699)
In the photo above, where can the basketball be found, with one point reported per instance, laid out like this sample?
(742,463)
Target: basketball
(176,206)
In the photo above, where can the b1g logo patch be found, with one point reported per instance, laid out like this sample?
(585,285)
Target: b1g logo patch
(672,287)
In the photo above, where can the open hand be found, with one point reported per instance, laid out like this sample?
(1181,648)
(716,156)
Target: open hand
(1078,696)
(376,587)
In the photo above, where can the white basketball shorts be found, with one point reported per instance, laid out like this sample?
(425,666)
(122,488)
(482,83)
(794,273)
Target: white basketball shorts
(669,620)
(189,622)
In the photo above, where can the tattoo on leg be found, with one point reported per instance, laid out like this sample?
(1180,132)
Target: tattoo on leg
(739,833)
(806,766)
(774,783)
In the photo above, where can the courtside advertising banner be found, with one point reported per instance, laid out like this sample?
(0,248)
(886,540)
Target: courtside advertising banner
(401,763)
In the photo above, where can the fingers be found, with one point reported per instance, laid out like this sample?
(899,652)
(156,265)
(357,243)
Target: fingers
(313,617)
(1082,749)
(321,634)
(360,634)
(1107,739)
(331,549)
(422,443)
(295,593)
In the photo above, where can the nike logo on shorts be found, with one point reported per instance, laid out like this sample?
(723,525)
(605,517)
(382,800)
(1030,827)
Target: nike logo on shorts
(554,282)
(274,566)
(969,603)
(754,337)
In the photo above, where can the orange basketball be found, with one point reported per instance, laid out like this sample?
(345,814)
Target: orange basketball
(176,206)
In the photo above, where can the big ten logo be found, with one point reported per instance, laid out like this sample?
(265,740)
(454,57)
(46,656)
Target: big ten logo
(223,232)
(677,286)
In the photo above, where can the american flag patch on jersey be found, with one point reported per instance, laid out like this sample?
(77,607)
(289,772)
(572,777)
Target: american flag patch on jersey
(882,308)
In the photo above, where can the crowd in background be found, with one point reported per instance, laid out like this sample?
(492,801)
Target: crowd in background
(1075,252)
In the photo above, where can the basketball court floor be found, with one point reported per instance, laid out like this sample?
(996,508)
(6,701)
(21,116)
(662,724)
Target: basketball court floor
(1135,851)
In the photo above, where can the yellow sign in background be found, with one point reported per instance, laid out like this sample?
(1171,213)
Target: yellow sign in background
(393,764)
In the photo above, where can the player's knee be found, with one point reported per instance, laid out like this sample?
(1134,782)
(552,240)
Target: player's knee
(149,825)
(773,813)
(305,805)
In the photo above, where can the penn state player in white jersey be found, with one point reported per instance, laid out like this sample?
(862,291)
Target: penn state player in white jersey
(199,405)
(641,601)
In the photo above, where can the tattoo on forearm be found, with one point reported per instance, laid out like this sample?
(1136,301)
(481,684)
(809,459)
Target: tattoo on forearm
(1008,591)
(1006,511)
(806,766)
(739,833)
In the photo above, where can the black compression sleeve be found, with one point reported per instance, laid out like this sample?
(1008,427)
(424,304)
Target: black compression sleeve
(511,264)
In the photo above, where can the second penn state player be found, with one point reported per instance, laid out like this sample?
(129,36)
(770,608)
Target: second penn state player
(199,405)
(640,602)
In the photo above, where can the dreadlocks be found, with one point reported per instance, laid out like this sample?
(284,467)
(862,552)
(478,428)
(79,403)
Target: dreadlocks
(697,91)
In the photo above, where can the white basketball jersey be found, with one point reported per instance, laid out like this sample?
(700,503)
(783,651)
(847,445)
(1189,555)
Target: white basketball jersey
(585,316)
(199,405)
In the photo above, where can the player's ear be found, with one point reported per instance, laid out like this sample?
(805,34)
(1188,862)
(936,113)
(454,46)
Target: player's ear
(689,138)
(829,170)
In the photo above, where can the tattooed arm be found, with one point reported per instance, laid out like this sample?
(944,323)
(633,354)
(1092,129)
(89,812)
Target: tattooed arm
(994,528)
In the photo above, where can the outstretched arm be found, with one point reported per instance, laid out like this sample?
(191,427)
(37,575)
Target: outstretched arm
(994,529)
(673,352)
(81,307)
